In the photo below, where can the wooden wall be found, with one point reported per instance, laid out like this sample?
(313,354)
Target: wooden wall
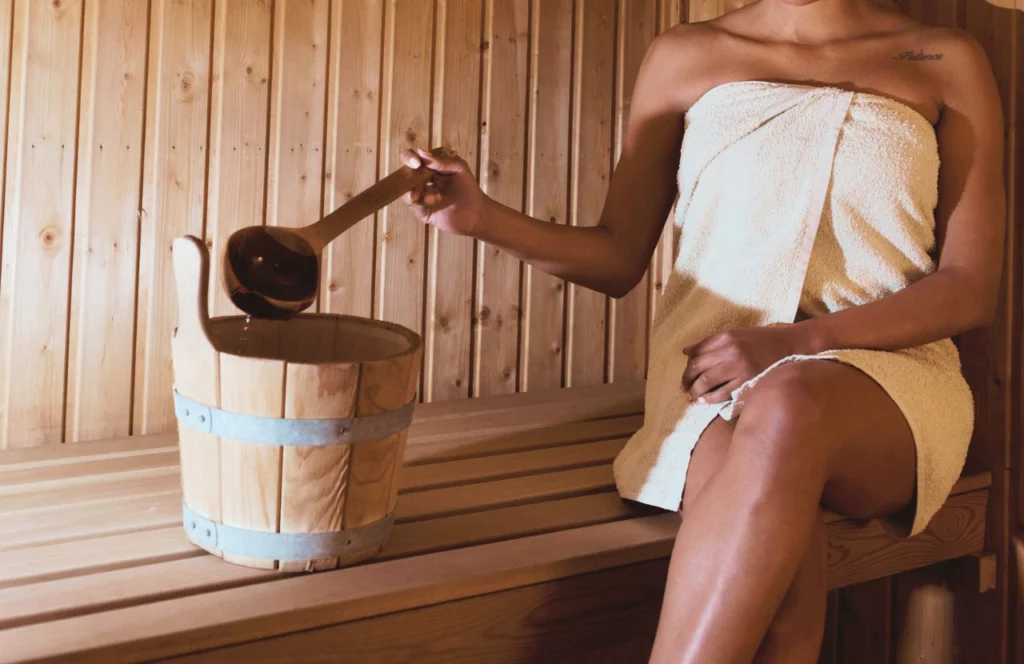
(131,122)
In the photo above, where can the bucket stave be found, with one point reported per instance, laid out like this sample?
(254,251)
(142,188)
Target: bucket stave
(291,432)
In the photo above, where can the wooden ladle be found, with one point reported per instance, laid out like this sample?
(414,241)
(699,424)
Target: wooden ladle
(274,272)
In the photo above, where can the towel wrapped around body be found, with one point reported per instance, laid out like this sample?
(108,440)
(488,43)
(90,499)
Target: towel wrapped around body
(797,201)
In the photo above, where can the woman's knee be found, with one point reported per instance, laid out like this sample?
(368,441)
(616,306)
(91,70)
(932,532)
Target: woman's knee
(784,425)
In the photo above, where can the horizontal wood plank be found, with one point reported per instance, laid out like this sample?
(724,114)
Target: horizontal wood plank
(860,552)
(94,555)
(225,617)
(466,471)
(504,493)
(607,617)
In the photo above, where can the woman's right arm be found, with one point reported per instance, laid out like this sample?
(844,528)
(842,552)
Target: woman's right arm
(611,256)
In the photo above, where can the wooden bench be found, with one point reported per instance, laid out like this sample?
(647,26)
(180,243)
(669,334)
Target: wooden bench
(511,545)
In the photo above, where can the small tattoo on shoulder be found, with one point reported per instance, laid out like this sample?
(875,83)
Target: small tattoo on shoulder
(917,55)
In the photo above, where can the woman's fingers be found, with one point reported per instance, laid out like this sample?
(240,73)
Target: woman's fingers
(722,393)
(410,158)
(709,380)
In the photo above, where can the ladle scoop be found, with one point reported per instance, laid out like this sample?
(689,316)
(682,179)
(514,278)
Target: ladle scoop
(274,272)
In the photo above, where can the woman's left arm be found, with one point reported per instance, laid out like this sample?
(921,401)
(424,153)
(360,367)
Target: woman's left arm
(962,293)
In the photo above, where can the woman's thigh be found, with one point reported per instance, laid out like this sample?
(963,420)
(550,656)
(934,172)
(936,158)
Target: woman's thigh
(838,409)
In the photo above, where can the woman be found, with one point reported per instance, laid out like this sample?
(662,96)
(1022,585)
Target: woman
(816,224)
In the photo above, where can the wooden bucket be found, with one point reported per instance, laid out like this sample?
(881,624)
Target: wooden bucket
(291,433)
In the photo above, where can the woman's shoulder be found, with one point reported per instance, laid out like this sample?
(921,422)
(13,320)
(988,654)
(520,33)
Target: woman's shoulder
(681,56)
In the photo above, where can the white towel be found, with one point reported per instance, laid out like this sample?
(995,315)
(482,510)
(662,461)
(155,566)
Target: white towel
(798,201)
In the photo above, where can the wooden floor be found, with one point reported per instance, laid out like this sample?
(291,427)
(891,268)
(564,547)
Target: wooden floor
(510,538)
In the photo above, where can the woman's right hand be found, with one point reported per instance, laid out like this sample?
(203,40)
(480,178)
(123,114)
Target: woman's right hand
(451,200)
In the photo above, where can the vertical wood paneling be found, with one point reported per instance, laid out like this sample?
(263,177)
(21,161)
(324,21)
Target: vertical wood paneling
(353,114)
(38,225)
(401,238)
(543,345)
(173,191)
(670,13)
(450,280)
(297,105)
(637,25)
(593,95)
(238,130)
(6,35)
(102,325)
(934,12)
(703,10)
(502,162)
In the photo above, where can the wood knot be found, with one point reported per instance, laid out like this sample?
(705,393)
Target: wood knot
(49,236)
(506,374)
(410,135)
(186,85)
(492,168)
(485,315)
(332,287)
(443,322)
(248,70)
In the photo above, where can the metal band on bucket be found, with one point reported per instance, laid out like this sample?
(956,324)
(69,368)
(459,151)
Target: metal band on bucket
(215,536)
(285,431)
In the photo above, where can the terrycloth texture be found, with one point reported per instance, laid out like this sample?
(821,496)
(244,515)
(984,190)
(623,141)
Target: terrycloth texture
(797,201)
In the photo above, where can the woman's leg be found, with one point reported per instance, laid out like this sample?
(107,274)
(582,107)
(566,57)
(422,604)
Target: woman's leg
(809,432)
(796,631)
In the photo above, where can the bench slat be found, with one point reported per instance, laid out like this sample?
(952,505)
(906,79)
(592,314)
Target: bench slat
(454,473)
(447,447)
(504,493)
(123,488)
(209,620)
(94,555)
(140,585)
(487,414)
(162,629)
(55,525)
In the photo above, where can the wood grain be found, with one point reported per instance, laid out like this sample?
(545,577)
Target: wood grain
(353,133)
(636,27)
(197,375)
(297,107)
(314,479)
(251,474)
(605,617)
(541,357)
(173,190)
(102,324)
(6,38)
(182,625)
(239,102)
(455,124)
(401,238)
(39,202)
(384,386)
(503,152)
(593,95)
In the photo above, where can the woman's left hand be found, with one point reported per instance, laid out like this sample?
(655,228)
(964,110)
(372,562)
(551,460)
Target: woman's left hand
(722,362)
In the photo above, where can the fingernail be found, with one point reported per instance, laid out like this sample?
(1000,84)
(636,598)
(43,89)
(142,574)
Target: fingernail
(701,400)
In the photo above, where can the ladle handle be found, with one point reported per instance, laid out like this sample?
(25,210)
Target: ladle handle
(363,204)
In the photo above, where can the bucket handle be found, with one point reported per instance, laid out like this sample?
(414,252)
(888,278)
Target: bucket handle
(192,283)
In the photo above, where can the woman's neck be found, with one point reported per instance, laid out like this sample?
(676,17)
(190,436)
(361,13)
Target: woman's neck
(814,22)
